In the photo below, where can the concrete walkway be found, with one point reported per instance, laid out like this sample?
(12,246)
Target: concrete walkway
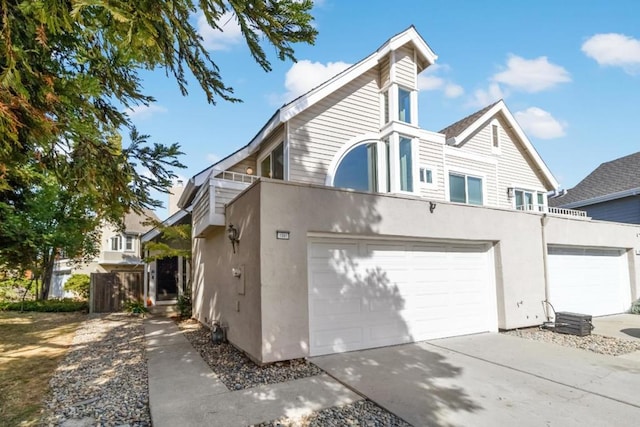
(183,391)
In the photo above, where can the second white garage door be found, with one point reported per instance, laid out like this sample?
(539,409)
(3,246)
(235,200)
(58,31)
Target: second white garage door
(589,280)
(365,294)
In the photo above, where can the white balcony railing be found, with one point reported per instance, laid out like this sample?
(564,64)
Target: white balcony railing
(210,202)
(554,211)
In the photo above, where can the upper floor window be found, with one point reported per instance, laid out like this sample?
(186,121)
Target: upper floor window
(404,105)
(128,243)
(116,243)
(358,170)
(426,175)
(526,200)
(406,164)
(272,166)
(465,189)
(385,107)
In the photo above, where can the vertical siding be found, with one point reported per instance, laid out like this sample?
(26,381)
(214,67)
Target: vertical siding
(515,166)
(430,154)
(621,210)
(405,68)
(488,170)
(316,134)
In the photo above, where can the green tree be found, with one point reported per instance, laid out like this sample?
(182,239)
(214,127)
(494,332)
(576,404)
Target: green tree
(69,69)
(78,283)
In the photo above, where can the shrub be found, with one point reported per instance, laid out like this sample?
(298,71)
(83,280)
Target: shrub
(135,307)
(13,289)
(635,307)
(184,305)
(65,305)
(79,284)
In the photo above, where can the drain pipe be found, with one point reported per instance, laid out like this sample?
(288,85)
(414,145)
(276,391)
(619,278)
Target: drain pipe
(545,262)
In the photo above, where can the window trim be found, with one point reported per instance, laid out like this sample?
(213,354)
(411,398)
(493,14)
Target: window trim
(466,173)
(535,193)
(129,239)
(117,238)
(411,106)
(425,167)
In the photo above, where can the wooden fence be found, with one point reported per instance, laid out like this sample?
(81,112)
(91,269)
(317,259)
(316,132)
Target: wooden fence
(109,291)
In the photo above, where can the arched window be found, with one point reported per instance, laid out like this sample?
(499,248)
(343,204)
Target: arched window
(358,169)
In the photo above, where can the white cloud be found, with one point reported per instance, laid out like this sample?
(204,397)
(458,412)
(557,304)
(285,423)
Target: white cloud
(531,75)
(484,97)
(540,123)
(305,75)
(616,50)
(213,158)
(219,38)
(144,112)
(428,80)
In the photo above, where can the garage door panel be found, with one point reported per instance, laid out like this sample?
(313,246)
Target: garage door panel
(589,280)
(408,291)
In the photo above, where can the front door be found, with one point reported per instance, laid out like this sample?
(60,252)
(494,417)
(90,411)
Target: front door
(167,279)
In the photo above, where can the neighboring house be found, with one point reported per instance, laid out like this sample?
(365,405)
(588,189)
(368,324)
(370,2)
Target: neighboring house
(119,251)
(610,193)
(343,225)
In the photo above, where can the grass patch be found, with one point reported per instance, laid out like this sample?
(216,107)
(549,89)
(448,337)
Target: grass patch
(50,306)
(31,347)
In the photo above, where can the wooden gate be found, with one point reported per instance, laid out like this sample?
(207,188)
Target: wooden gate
(109,291)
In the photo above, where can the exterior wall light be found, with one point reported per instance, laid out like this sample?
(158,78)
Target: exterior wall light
(432,206)
(510,192)
(249,170)
(234,236)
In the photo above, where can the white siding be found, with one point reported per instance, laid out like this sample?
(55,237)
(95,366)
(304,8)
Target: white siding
(487,170)
(316,134)
(514,165)
(405,68)
(242,165)
(430,154)
(385,68)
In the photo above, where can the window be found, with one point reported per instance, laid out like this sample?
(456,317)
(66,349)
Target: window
(527,200)
(272,166)
(426,175)
(406,170)
(358,169)
(495,135)
(116,243)
(128,245)
(465,189)
(404,105)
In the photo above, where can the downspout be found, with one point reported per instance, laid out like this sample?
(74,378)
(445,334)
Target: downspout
(545,262)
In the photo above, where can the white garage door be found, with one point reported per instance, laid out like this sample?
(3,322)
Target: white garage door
(365,294)
(589,281)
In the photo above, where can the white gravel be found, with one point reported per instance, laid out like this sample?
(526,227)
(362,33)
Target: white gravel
(103,379)
(595,343)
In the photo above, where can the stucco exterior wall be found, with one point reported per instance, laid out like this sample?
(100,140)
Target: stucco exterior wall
(517,238)
(217,294)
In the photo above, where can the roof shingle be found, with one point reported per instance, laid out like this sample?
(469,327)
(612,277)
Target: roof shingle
(608,178)
(458,127)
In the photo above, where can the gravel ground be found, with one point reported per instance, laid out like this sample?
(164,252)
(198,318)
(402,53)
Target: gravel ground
(236,370)
(595,343)
(103,379)
(361,413)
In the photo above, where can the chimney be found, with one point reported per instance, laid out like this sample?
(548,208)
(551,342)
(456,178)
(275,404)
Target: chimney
(174,196)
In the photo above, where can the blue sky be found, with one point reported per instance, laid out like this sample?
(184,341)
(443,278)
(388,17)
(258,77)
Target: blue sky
(568,70)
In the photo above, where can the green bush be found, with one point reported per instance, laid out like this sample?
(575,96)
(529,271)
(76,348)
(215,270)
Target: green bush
(184,305)
(53,306)
(135,307)
(635,307)
(13,289)
(79,284)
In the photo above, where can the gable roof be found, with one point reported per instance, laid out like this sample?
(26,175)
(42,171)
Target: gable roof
(134,222)
(310,98)
(611,180)
(458,133)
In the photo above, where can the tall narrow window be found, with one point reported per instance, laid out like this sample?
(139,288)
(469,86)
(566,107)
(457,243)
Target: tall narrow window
(406,170)
(128,245)
(404,105)
(387,153)
(495,136)
(272,166)
(116,243)
(385,101)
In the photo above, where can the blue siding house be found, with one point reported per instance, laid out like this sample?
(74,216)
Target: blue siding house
(610,193)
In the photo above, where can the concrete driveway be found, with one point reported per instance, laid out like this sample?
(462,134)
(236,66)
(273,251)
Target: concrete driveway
(626,326)
(493,379)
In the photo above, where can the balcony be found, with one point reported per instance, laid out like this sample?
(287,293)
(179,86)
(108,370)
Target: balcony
(210,201)
(554,211)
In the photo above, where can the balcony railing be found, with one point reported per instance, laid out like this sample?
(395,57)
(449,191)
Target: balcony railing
(554,211)
(209,205)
